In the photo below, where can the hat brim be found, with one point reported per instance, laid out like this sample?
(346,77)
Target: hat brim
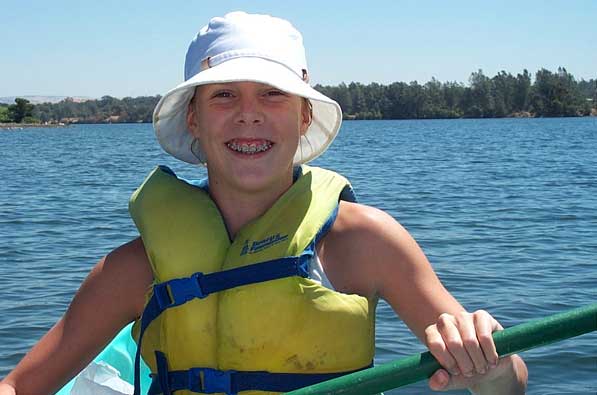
(169,117)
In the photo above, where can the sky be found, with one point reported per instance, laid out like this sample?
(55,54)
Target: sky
(137,48)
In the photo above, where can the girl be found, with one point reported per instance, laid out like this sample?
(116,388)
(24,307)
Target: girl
(265,277)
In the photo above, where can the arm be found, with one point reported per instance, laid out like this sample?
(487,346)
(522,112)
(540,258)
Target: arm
(399,272)
(111,296)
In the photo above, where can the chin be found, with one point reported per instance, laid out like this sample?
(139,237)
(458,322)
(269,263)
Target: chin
(253,174)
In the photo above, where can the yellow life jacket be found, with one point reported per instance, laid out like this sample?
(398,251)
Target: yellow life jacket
(290,324)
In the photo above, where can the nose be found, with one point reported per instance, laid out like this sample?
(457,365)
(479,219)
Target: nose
(249,111)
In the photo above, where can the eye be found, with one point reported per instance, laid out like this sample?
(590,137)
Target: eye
(275,92)
(222,94)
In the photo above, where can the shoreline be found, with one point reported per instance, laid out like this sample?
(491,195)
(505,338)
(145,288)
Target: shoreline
(347,117)
(521,115)
(12,126)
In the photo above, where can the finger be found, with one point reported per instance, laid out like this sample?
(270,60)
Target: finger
(437,347)
(468,332)
(485,325)
(451,335)
(440,380)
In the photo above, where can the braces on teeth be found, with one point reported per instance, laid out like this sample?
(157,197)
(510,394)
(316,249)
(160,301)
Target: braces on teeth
(249,148)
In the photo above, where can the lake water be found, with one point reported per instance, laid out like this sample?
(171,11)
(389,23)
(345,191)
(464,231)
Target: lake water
(506,211)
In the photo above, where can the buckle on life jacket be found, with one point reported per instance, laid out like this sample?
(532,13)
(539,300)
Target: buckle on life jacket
(215,381)
(179,291)
(203,380)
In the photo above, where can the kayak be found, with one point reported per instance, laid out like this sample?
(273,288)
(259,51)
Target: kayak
(111,370)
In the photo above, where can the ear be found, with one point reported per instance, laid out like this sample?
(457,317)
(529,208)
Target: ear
(306,115)
(191,117)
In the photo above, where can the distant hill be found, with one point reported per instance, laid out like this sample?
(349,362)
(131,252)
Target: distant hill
(44,99)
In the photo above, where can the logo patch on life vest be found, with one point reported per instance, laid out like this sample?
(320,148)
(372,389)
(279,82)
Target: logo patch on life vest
(251,247)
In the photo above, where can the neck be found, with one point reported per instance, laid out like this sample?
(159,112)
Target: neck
(239,206)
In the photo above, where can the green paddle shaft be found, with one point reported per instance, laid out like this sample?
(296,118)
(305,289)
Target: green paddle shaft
(418,367)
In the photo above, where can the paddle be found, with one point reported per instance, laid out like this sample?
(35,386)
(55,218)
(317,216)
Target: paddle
(418,367)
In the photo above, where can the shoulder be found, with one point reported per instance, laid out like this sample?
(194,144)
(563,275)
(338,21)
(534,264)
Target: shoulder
(360,217)
(132,252)
(368,227)
(364,245)
(126,271)
(129,259)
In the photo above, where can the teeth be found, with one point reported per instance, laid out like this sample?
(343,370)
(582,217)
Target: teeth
(249,148)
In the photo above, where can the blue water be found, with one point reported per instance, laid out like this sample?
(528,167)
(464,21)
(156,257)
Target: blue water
(506,211)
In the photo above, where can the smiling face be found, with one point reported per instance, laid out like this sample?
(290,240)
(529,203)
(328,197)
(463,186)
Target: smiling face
(249,133)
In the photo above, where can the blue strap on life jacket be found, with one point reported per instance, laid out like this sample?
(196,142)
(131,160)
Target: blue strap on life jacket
(178,291)
(181,290)
(231,382)
(199,285)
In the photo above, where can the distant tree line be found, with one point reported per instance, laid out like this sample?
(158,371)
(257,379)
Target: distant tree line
(108,109)
(105,110)
(550,95)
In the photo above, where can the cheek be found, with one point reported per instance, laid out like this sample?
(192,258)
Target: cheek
(294,125)
(208,125)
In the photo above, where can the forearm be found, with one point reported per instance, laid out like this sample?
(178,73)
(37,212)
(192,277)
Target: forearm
(110,297)
(48,365)
(513,381)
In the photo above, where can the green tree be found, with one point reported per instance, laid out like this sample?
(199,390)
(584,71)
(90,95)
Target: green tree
(342,95)
(357,98)
(588,91)
(375,99)
(396,101)
(522,90)
(502,90)
(556,94)
(434,105)
(481,89)
(4,114)
(20,110)
(453,93)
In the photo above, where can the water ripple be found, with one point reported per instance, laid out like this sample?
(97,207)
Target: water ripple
(506,211)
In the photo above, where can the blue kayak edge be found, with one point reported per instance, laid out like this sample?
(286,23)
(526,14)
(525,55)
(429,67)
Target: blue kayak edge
(120,354)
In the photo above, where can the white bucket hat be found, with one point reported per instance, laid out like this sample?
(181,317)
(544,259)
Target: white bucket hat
(245,47)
